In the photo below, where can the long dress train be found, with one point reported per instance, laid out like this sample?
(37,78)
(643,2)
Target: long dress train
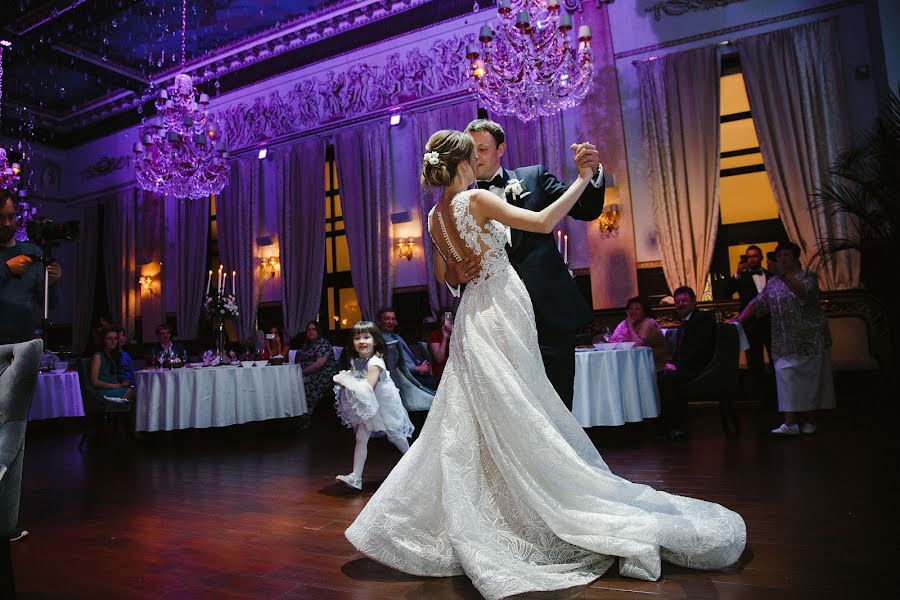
(504,486)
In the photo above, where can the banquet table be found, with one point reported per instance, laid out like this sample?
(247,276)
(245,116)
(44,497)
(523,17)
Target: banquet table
(614,387)
(56,395)
(217,396)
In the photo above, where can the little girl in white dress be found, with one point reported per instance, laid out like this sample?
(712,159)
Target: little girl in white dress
(368,401)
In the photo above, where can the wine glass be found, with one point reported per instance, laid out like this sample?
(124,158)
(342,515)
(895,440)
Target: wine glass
(605,333)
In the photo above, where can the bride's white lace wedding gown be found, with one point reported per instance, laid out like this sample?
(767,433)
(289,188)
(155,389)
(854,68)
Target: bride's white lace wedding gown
(504,486)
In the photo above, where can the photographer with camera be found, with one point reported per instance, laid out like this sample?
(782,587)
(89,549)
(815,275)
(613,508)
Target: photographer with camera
(21,279)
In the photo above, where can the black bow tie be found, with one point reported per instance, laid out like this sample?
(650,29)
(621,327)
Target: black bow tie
(497,181)
(756,271)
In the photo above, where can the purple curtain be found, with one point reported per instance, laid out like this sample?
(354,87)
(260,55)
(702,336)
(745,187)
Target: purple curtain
(85,278)
(119,259)
(236,216)
(796,92)
(455,116)
(300,194)
(538,142)
(190,263)
(364,165)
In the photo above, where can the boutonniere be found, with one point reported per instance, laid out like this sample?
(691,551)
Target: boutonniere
(515,191)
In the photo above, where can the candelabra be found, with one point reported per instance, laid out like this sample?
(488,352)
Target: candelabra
(529,67)
(181,154)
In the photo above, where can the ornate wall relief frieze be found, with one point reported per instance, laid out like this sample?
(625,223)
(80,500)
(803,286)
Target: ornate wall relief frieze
(357,90)
(105,166)
(674,8)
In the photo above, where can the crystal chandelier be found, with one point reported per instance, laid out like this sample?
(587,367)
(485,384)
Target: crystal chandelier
(181,154)
(529,67)
(10,172)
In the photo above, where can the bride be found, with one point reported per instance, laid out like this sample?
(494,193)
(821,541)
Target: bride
(503,485)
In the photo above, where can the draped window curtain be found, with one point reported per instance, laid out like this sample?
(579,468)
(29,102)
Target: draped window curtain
(363,160)
(680,123)
(455,116)
(300,197)
(190,263)
(236,215)
(796,92)
(119,257)
(85,278)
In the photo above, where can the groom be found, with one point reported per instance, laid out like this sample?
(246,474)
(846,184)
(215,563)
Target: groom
(559,308)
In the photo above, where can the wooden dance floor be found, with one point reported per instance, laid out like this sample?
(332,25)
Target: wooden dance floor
(254,512)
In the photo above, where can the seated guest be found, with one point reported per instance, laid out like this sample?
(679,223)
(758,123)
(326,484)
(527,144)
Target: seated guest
(695,344)
(275,343)
(106,374)
(127,365)
(439,344)
(316,356)
(387,322)
(165,344)
(642,329)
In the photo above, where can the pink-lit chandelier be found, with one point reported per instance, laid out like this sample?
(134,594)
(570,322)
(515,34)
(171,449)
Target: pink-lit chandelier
(9,173)
(529,66)
(181,153)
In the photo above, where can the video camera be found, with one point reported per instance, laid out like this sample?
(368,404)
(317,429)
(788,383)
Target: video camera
(46,233)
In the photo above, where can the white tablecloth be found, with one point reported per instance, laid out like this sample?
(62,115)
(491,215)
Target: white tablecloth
(614,387)
(217,396)
(56,395)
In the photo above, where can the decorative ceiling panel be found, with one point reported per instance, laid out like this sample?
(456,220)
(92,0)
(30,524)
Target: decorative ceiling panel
(78,66)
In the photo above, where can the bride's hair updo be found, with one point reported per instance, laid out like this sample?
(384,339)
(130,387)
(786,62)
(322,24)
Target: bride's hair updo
(443,153)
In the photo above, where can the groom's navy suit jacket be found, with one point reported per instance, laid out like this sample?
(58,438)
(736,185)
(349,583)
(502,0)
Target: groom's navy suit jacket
(559,308)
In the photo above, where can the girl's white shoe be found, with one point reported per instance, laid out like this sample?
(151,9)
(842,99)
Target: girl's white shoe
(350,480)
(785,429)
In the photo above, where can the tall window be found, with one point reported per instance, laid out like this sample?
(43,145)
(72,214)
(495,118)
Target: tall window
(338,296)
(748,213)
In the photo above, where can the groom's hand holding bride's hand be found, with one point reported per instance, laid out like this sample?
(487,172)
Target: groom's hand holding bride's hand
(464,271)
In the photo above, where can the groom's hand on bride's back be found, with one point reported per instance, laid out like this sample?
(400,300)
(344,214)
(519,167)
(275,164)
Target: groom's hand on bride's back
(464,271)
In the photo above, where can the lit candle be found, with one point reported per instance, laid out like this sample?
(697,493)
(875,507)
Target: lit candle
(566,248)
(233,278)
(208,281)
(559,240)
(219,281)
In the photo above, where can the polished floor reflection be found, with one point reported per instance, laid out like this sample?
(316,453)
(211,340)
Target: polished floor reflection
(253,512)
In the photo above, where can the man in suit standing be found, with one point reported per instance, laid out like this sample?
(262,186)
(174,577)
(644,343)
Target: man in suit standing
(695,345)
(559,308)
(748,281)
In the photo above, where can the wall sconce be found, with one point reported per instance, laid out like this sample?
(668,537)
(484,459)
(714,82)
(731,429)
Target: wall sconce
(608,221)
(270,266)
(146,283)
(405,247)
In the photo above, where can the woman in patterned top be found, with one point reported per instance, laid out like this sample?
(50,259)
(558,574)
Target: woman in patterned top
(316,356)
(800,340)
